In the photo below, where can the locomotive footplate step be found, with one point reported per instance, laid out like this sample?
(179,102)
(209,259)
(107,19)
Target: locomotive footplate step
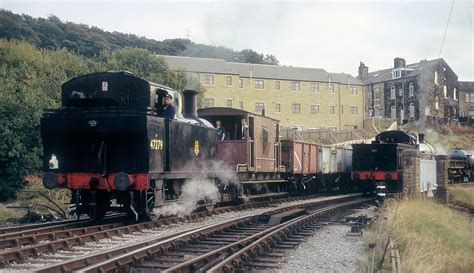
(285,216)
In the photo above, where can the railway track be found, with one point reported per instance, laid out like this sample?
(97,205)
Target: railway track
(136,244)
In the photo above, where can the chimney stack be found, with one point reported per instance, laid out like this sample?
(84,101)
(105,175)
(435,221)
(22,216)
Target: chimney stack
(363,71)
(399,63)
(190,103)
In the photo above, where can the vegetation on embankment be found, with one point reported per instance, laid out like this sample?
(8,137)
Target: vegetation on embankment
(463,197)
(35,202)
(430,236)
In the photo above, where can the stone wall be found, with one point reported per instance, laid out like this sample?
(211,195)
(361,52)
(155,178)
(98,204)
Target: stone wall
(411,172)
(442,178)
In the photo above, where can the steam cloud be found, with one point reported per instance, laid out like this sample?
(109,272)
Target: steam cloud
(201,187)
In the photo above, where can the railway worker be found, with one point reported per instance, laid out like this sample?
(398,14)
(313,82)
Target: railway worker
(220,134)
(169,110)
(243,132)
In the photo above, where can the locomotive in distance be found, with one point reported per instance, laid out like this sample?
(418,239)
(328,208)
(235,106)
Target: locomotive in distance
(109,142)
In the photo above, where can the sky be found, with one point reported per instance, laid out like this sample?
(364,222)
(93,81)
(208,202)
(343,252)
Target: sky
(333,35)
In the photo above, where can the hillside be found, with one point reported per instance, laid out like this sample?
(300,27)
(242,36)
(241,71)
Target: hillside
(90,41)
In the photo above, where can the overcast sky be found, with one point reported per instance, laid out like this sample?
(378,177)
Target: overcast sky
(333,35)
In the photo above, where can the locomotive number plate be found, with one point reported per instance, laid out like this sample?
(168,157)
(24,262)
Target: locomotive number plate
(156,144)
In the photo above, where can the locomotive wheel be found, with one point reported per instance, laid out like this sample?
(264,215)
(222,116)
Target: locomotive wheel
(150,198)
(102,205)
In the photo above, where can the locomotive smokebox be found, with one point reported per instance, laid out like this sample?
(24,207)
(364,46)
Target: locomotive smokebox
(421,138)
(190,103)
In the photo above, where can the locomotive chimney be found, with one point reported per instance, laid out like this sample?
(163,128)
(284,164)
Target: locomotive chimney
(190,103)
(421,138)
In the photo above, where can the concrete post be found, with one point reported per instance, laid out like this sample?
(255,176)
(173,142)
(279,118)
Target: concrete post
(442,178)
(411,172)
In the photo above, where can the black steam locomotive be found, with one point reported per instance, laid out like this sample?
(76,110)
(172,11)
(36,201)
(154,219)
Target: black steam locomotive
(460,165)
(376,167)
(109,142)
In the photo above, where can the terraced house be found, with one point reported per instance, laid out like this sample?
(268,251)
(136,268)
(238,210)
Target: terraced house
(427,89)
(303,98)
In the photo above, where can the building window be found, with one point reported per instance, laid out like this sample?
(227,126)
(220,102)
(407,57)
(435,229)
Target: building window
(454,94)
(412,89)
(332,110)
(314,87)
(314,109)
(296,108)
(412,110)
(353,90)
(228,80)
(472,97)
(445,91)
(259,106)
(436,77)
(277,107)
(376,93)
(208,79)
(400,92)
(295,86)
(241,83)
(436,103)
(376,110)
(467,97)
(277,85)
(354,110)
(393,112)
(228,103)
(241,105)
(392,92)
(331,88)
(396,73)
(259,84)
(208,103)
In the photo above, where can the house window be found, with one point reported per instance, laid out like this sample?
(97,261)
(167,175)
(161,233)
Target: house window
(277,107)
(295,86)
(392,92)
(412,89)
(241,83)
(277,85)
(331,88)
(296,108)
(436,77)
(332,110)
(208,103)
(412,110)
(353,90)
(259,106)
(241,105)
(393,112)
(436,103)
(396,73)
(376,93)
(228,80)
(454,94)
(445,91)
(400,92)
(259,84)
(228,103)
(377,110)
(314,87)
(472,97)
(467,97)
(208,79)
(354,110)
(314,109)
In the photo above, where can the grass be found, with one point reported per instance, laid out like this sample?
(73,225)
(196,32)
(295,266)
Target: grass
(431,237)
(31,197)
(463,197)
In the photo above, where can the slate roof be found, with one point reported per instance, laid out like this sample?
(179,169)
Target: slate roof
(415,69)
(466,86)
(259,71)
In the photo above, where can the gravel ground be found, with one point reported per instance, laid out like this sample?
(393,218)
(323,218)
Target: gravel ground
(117,241)
(328,250)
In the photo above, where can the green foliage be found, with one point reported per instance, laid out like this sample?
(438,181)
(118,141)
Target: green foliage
(52,33)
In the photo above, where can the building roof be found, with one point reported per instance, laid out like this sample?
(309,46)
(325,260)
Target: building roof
(413,70)
(260,71)
(466,86)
